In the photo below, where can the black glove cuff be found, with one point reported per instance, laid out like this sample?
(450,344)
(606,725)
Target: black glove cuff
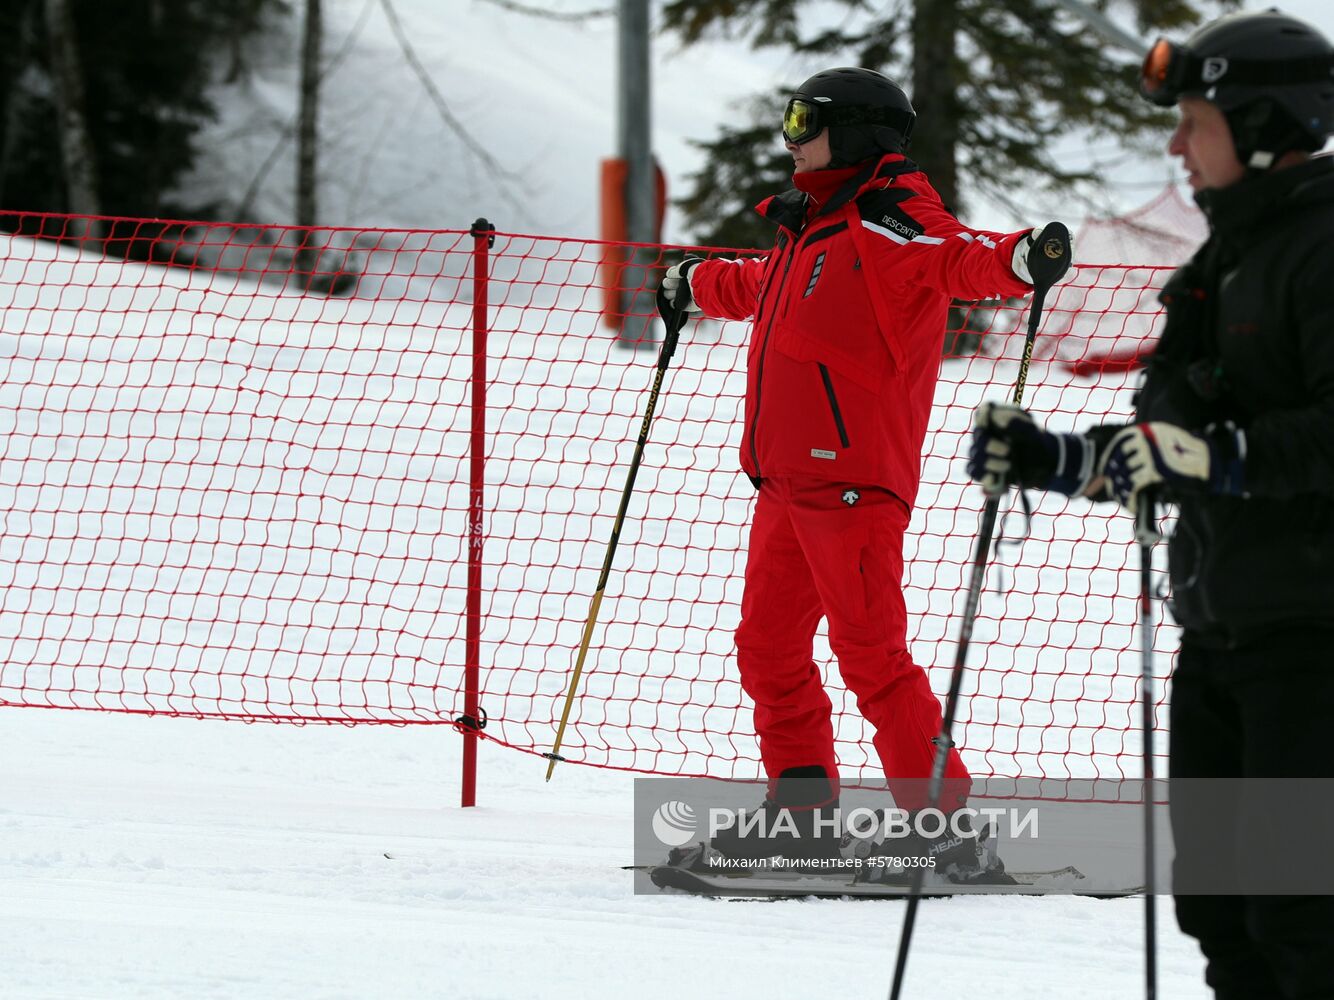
(1227,465)
(1101,438)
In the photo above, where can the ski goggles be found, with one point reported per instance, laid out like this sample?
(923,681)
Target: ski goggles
(801,121)
(1171,70)
(804,119)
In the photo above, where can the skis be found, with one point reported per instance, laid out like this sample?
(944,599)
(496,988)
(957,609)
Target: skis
(778,884)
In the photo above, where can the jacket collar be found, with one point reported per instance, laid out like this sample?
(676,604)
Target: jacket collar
(1254,202)
(821,192)
(821,186)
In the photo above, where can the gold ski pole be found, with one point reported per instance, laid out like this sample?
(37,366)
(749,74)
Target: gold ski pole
(676,320)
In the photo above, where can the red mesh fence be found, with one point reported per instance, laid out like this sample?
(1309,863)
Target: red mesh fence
(234,483)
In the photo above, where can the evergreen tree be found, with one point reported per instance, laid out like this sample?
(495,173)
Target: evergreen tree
(146,67)
(995,83)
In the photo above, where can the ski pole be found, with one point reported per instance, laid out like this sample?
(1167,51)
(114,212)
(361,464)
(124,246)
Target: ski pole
(675,316)
(1054,243)
(1146,535)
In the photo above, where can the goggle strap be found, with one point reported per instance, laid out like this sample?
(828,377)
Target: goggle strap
(860,114)
(1312,69)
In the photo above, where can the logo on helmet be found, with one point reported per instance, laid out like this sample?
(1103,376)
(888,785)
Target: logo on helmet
(1054,249)
(1215,67)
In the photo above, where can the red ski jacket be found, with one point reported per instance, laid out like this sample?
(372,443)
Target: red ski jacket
(849,311)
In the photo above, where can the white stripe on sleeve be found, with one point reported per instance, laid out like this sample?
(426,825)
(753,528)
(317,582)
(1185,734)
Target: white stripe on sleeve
(986,241)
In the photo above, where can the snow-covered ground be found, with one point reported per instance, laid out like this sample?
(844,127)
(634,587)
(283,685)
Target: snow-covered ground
(243,464)
(154,857)
(170,858)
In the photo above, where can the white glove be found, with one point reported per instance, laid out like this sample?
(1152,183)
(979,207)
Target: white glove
(1019,262)
(677,281)
(1023,251)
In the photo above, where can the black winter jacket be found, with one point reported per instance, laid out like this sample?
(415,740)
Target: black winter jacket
(1249,338)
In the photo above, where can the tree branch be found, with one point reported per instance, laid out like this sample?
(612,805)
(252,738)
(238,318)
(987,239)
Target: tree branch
(502,176)
(569,17)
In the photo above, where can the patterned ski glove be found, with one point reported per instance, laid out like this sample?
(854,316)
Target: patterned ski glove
(1146,455)
(1010,449)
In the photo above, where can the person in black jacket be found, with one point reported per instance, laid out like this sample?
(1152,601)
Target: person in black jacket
(1235,425)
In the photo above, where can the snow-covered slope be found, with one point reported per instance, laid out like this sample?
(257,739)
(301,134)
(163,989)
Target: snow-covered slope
(161,859)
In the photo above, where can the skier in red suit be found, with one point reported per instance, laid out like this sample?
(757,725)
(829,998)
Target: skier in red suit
(848,316)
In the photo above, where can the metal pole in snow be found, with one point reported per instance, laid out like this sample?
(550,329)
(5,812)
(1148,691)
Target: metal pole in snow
(472,721)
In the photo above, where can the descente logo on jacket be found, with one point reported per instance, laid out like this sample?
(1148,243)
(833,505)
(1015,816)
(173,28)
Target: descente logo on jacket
(900,227)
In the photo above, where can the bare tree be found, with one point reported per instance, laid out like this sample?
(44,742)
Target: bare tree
(307,141)
(935,24)
(308,124)
(75,146)
(16,89)
(570,17)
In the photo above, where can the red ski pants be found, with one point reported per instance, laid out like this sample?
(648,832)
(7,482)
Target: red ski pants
(820,549)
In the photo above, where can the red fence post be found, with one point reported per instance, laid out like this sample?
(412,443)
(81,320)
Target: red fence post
(472,721)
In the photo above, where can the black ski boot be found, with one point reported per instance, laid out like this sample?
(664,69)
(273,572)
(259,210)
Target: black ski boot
(959,854)
(801,820)
(969,857)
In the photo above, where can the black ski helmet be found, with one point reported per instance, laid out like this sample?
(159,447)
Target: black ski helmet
(866,112)
(1271,75)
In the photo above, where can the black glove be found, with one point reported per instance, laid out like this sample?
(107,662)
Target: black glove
(675,288)
(1042,257)
(1010,449)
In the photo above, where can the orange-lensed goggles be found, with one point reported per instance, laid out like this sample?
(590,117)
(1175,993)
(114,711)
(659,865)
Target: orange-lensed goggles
(1171,70)
(1166,72)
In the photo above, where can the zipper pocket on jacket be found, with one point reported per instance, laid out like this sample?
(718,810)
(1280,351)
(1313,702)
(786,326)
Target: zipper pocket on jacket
(833,406)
